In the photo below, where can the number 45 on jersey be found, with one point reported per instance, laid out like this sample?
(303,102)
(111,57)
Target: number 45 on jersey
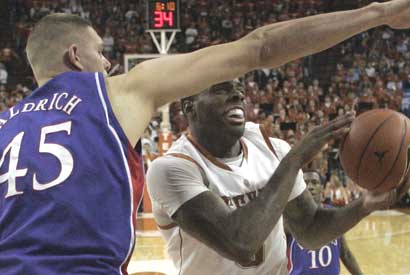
(59,152)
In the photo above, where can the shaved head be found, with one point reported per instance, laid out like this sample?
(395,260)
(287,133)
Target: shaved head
(50,39)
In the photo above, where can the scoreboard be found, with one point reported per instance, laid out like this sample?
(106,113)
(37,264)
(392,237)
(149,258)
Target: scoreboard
(163,15)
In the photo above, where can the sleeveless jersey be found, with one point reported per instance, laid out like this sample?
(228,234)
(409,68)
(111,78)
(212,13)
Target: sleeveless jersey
(70,182)
(236,186)
(323,261)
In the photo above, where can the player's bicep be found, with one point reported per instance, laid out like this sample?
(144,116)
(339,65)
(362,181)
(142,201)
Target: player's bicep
(300,213)
(168,78)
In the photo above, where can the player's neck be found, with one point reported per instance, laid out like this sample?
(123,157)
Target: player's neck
(42,81)
(219,146)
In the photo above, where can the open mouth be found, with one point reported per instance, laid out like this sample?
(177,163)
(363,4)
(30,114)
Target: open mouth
(235,115)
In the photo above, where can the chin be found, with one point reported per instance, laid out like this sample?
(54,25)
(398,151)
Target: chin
(236,130)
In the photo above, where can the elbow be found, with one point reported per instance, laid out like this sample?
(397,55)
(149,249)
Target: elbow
(310,242)
(239,251)
(242,254)
(267,54)
(311,245)
(259,52)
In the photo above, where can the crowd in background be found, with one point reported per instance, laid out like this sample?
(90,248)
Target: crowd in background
(371,70)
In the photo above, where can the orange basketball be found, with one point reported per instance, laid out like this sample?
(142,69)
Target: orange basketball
(374,154)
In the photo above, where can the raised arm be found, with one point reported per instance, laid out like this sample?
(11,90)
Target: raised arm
(141,92)
(314,226)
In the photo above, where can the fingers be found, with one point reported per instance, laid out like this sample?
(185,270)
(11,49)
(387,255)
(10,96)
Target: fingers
(338,128)
(343,121)
(339,133)
(404,187)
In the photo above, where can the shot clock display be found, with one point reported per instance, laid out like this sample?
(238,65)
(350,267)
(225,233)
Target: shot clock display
(163,15)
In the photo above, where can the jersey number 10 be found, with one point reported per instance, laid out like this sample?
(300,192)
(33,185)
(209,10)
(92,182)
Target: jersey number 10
(318,258)
(61,153)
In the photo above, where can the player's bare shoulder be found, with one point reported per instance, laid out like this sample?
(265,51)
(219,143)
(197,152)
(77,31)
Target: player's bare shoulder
(133,110)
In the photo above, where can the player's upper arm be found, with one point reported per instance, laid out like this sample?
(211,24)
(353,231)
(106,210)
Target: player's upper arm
(173,181)
(136,95)
(167,78)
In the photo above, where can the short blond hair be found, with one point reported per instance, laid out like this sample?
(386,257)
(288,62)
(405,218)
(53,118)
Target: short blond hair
(50,36)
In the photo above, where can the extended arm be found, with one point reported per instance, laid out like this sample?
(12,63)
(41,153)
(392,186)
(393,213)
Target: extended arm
(268,46)
(348,258)
(314,226)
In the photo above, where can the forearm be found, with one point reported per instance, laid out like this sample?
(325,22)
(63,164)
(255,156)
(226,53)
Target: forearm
(267,208)
(351,264)
(290,40)
(328,224)
(348,258)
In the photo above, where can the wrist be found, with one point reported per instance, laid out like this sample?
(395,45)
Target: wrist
(293,160)
(365,209)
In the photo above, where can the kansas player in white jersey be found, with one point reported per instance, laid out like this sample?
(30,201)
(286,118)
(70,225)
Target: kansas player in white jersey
(222,191)
(36,237)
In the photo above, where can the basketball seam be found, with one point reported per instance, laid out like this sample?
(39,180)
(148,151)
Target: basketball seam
(367,145)
(397,156)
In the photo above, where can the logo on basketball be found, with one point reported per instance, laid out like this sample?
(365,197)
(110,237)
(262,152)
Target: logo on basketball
(380,156)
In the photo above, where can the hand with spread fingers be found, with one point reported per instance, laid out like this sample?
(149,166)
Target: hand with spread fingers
(316,139)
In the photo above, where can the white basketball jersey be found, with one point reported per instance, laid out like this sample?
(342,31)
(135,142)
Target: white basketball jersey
(236,185)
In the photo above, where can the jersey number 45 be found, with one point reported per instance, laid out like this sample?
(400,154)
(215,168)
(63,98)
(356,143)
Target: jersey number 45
(62,154)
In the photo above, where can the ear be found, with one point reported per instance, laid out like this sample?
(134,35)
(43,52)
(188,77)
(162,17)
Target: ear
(72,58)
(188,108)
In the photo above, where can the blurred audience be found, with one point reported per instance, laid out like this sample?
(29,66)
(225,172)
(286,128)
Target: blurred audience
(371,71)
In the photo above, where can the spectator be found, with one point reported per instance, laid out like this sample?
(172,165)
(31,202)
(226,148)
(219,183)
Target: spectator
(3,74)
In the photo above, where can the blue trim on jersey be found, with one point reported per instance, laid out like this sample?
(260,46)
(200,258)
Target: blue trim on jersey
(323,261)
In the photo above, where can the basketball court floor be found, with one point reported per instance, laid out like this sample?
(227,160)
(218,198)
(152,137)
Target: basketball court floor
(380,242)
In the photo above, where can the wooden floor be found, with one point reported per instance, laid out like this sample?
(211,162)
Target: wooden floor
(381,244)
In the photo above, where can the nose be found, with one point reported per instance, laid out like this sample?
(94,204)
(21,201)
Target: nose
(106,63)
(237,96)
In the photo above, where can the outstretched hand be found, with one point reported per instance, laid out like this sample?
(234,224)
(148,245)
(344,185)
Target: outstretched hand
(379,201)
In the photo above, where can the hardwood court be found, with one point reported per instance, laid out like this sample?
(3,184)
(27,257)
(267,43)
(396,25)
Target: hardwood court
(381,244)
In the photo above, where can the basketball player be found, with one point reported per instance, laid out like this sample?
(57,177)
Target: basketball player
(220,192)
(69,181)
(325,260)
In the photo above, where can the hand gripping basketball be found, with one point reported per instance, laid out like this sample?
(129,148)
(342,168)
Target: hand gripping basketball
(316,139)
